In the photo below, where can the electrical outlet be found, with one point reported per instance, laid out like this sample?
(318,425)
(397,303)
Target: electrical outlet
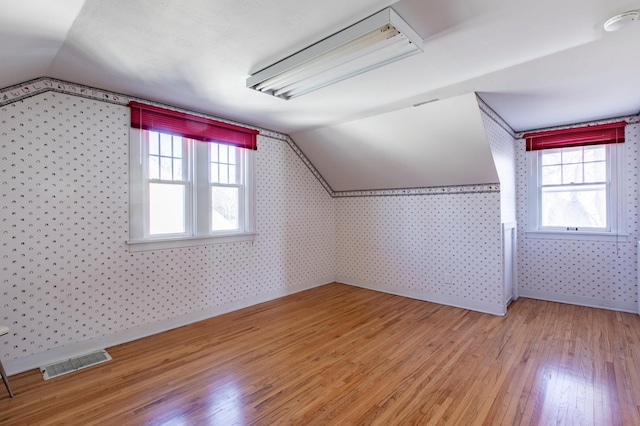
(448,279)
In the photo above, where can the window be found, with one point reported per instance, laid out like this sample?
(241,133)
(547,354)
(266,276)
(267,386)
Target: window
(226,187)
(575,187)
(186,191)
(167,183)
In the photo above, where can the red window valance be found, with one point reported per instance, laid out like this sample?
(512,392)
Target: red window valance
(150,117)
(579,136)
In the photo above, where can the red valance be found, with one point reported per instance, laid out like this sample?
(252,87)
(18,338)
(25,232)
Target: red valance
(150,117)
(579,136)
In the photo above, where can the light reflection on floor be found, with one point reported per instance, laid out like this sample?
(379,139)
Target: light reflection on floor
(225,405)
(568,398)
(221,405)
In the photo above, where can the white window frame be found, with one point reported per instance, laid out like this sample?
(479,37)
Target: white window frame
(615,201)
(198,198)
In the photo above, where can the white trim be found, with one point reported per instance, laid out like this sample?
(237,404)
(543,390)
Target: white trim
(182,242)
(62,353)
(486,308)
(197,204)
(202,191)
(578,235)
(580,301)
(615,202)
(509,227)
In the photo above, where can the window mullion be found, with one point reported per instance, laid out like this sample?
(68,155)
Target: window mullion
(201,192)
(188,176)
(575,185)
(582,164)
(169,182)
(539,186)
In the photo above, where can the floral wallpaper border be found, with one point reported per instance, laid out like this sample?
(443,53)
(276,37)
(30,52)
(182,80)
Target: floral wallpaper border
(30,88)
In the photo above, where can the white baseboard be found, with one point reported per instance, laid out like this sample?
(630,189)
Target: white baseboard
(62,353)
(580,301)
(65,352)
(486,308)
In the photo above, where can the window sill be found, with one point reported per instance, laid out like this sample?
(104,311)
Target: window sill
(577,235)
(171,243)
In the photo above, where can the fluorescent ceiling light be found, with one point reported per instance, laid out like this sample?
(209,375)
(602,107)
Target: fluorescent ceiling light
(373,42)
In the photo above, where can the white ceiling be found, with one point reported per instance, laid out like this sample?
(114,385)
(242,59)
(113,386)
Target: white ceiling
(537,63)
(444,135)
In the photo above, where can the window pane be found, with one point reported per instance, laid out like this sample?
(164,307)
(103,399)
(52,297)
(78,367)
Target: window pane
(177,147)
(224,154)
(233,178)
(224,212)
(595,172)
(153,143)
(165,145)
(595,153)
(166,168)
(583,207)
(551,175)
(177,169)
(572,155)
(572,173)
(232,154)
(215,177)
(224,173)
(550,157)
(166,209)
(213,148)
(154,167)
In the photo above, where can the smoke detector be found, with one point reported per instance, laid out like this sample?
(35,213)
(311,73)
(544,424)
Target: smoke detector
(622,20)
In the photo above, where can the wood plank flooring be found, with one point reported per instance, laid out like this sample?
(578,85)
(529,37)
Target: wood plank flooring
(340,355)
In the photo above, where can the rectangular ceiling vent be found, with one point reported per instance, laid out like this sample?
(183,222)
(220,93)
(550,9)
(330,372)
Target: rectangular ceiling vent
(74,364)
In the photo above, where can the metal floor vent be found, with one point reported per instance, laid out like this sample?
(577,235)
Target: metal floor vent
(74,364)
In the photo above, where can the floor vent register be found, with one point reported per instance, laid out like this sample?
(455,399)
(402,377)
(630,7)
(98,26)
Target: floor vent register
(74,364)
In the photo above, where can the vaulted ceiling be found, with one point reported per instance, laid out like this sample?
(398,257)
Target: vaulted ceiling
(537,63)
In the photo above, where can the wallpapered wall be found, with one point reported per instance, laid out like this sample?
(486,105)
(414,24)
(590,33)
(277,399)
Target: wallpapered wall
(442,248)
(593,273)
(67,275)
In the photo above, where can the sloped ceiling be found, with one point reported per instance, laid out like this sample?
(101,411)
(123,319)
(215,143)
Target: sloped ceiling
(537,63)
(414,147)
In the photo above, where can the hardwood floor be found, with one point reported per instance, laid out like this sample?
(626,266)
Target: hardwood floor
(342,355)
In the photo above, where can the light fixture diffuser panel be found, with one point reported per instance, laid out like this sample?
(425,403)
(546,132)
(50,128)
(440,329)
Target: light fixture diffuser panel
(373,42)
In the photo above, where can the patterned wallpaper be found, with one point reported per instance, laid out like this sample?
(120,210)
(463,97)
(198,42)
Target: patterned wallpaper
(594,273)
(67,275)
(444,248)
(41,85)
